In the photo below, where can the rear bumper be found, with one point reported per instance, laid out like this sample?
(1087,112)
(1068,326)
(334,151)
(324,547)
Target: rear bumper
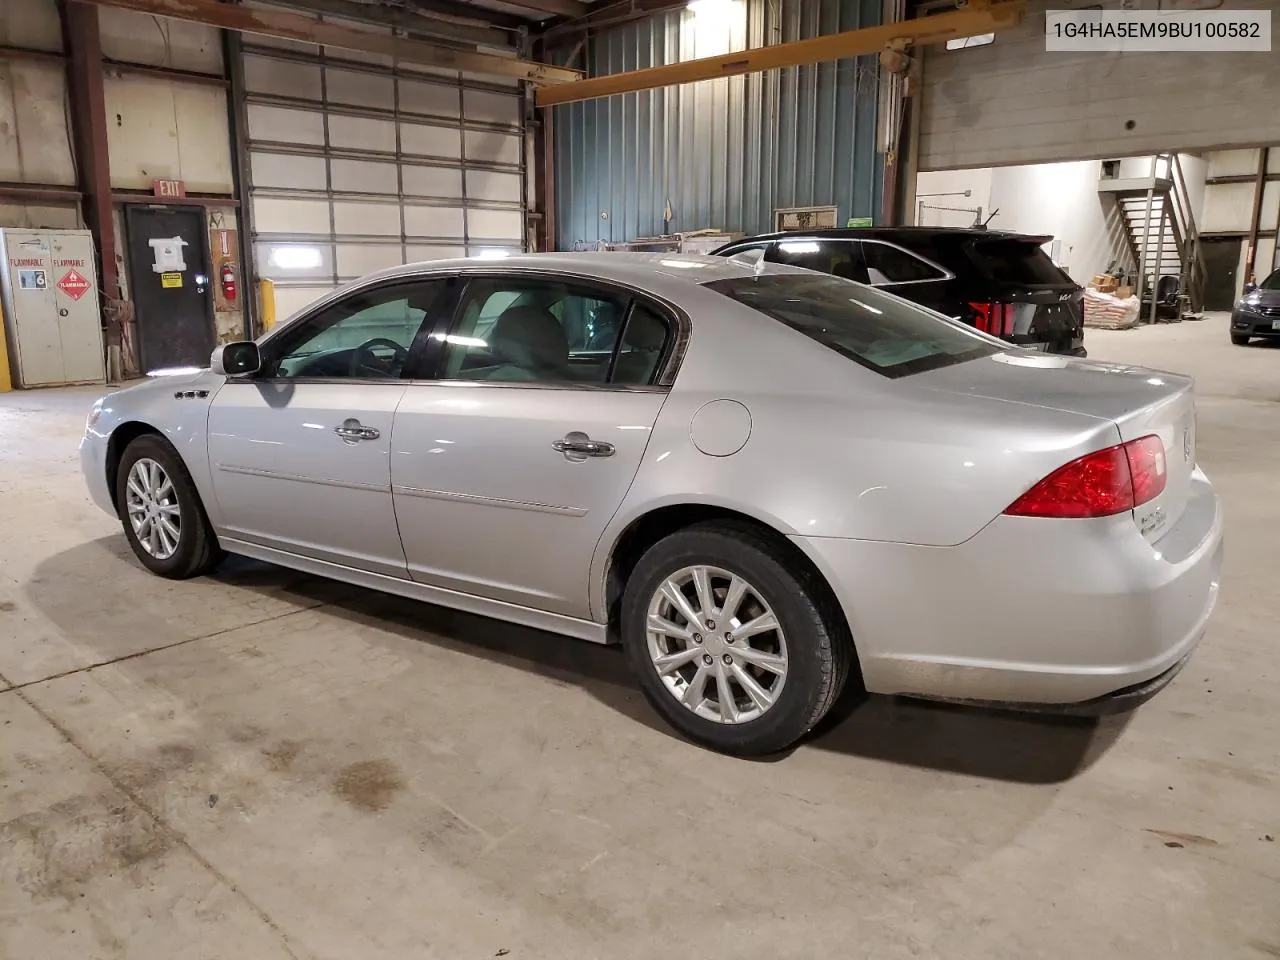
(1031,612)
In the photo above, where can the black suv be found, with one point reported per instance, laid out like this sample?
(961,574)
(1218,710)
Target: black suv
(1002,283)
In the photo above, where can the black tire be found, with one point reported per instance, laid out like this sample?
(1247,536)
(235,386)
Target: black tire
(819,649)
(1240,339)
(197,551)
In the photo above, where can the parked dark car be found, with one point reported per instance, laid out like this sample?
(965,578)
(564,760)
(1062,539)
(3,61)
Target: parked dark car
(1002,283)
(1257,314)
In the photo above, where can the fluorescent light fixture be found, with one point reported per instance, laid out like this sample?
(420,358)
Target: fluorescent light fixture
(978,40)
(711,10)
(295,258)
(799,246)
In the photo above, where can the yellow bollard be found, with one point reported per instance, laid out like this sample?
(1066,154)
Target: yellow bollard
(267,304)
(6,381)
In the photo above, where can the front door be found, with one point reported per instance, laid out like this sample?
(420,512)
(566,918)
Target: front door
(300,452)
(508,467)
(170,284)
(1221,266)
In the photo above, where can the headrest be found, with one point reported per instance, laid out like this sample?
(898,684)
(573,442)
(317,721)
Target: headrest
(530,337)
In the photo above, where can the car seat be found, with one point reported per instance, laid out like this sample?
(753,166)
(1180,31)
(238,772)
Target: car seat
(529,344)
(642,346)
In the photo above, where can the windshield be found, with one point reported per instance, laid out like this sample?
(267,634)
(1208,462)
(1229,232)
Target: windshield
(1019,262)
(878,330)
(1271,283)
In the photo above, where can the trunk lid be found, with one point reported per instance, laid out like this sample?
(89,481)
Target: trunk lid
(1048,304)
(1140,402)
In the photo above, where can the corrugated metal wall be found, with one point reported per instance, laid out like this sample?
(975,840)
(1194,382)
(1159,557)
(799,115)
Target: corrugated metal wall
(720,153)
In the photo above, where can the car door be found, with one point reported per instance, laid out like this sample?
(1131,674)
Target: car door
(300,451)
(508,464)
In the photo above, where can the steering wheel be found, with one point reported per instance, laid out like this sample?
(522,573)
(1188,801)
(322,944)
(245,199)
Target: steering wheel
(364,359)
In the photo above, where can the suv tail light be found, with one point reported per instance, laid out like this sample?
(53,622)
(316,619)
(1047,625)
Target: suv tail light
(1099,484)
(993,318)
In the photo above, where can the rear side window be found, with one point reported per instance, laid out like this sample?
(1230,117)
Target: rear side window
(887,264)
(877,330)
(840,258)
(1019,262)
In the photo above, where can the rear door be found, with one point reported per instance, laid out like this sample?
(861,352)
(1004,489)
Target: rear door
(510,460)
(1048,305)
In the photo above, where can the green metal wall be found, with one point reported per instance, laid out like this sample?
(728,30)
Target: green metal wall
(720,153)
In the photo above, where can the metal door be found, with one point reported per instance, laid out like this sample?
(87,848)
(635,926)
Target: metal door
(170,284)
(1221,266)
(493,494)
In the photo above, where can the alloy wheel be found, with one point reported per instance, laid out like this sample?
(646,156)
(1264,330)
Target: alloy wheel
(152,505)
(716,644)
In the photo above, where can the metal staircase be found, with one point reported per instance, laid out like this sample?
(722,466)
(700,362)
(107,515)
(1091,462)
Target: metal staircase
(1162,240)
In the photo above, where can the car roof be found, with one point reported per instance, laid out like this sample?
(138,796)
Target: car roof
(848,233)
(639,269)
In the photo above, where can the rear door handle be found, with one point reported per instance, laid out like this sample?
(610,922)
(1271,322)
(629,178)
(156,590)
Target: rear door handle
(353,431)
(577,445)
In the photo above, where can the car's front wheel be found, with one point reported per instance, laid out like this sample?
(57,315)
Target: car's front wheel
(735,643)
(1240,339)
(160,509)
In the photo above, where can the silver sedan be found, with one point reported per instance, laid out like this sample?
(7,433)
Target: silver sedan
(768,484)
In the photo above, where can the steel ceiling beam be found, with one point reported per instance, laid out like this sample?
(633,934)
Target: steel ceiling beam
(436,19)
(982,16)
(562,8)
(293,26)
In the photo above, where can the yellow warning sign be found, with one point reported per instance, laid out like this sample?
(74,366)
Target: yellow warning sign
(170,280)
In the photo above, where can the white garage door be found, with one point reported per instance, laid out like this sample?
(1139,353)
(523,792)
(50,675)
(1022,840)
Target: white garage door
(1010,102)
(357,166)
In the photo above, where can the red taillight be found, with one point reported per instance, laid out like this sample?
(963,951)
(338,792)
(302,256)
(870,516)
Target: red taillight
(1099,484)
(993,318)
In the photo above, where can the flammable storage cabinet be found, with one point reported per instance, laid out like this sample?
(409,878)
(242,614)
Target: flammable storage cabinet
(52,324)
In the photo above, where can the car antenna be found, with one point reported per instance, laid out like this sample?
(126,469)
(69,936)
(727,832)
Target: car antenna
(753,258)
(990,217)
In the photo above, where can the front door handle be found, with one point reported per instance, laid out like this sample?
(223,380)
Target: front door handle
(576,445)
(353,431)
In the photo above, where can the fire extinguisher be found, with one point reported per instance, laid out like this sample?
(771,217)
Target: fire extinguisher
(228,277)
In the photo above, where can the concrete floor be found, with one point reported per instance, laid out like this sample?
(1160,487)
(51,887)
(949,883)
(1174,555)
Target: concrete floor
(265,765)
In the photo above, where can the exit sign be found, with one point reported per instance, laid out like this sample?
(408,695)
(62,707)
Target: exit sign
(168,188)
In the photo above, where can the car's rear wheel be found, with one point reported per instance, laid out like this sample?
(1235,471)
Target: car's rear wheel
(734,642)
(160,509)
(1240,339)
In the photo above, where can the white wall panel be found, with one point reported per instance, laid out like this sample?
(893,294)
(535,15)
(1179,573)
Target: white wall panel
(292,299)
(35,142)
(432,99)
(359,89)
(487,107)
(285,124)
(282,78)
(414,253)
(355,260)
(278,215)
(495,224)
(363,176)
(432,181)
(434,221)
(431,141)
(1228,207)
(1233,163)
(488,146)
(31,23)
(489,185)
(40,216)
(158,41)
(288,170)
(361,133)
(354,218)
(167,129)
(1011,102)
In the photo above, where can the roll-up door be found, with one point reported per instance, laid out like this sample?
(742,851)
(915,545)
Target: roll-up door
(1011,102)
(357,166)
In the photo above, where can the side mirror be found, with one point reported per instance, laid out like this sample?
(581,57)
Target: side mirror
(236,359)
(1250,286)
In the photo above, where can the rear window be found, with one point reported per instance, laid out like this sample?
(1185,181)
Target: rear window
(1017,262)
(877,330)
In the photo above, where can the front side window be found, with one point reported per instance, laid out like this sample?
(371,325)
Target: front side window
(877,330)
(552,332)
(365,337)
(840,258)
(888,264)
